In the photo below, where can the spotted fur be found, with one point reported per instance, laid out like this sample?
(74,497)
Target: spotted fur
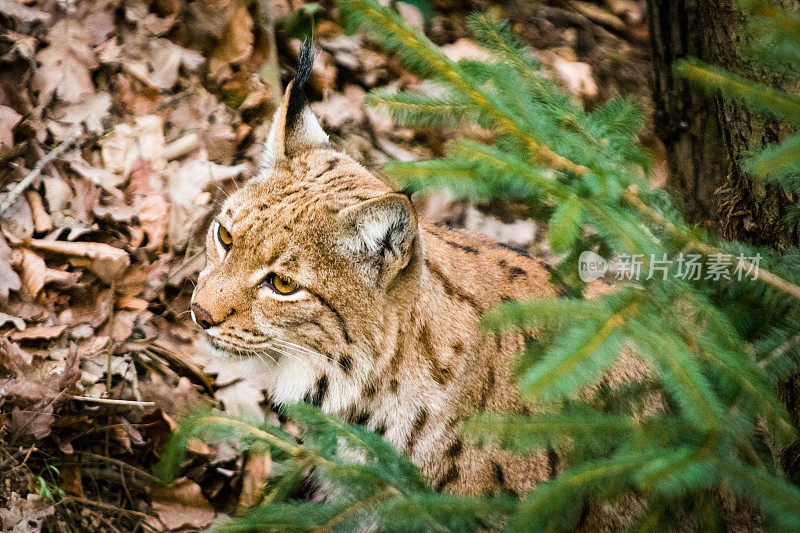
(384,331)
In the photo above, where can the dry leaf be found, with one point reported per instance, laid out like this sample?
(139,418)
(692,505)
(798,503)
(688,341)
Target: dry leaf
(131,302)
(38,333)
(174,401)
(42,223)
(124,322)
(61,278)
(8,119)
(466,49)
(66,64)
(35,422)
(90,112)
(257,470)
(236,44)
(154,218)
(17,10)
(25,515)
(57,193)
(12,357)
(9,280)
(576,75)
(126,145)
(15,320)
(17,221)
(33,270)
(182,504)
(104,260)
(157,62)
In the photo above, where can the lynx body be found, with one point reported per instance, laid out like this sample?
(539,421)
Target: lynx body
(362,309)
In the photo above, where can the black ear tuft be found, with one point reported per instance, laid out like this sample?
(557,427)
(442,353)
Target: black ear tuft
(297,96)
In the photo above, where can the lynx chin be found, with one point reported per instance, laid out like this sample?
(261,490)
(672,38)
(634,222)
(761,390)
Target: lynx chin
(358,306)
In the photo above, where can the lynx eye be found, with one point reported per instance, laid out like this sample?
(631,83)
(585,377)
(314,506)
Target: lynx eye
(224,236)
(280,284)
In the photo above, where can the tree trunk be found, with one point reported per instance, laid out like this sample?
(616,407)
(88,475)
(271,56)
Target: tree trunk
(705,137)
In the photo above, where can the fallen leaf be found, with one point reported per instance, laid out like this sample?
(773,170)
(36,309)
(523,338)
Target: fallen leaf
(102,177)
(174,401)
(257,470)
(66,64)
(99,23)
(154,219)
(61,278)
(25,515)
(38,333)
(12,357)
(576,75)
(466,49)
(131,302)
(123,148)
(17,220)
(33,270)
(42,223)
(104,260)
(9,280)
(58,194)
(182,504)
(23,13)
(90,112)
(157,62)
(15,320)
(124,322)
(35,422)
(236,44)
(8,119)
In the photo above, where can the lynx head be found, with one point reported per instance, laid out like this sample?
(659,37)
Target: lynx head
(310,263)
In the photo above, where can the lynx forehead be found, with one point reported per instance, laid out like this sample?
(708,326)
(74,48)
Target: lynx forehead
(318,269)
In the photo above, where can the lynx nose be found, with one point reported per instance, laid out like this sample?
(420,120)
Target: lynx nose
(202,317)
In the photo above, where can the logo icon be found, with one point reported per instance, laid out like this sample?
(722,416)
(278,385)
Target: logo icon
(591,266)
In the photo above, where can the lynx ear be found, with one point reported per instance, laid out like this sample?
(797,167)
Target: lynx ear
(378,235)
(294,126)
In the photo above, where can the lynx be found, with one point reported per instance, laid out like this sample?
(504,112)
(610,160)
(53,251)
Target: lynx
(360,307)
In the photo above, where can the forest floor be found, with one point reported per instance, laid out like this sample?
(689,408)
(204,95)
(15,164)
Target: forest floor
(127,124)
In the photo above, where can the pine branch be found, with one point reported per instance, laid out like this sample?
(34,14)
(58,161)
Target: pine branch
(632,197)
(781,18)
(758,96)
(579,356)
(776,161)
(420,109)
(426,56)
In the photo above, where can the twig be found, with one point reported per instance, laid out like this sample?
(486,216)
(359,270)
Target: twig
(11,459)
(632,197)
(109,401)
(122,464)
(37,170)
(103,505)
(28,454)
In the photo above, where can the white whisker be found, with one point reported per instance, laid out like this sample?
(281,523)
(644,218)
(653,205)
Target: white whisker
(287,354)
(301,348)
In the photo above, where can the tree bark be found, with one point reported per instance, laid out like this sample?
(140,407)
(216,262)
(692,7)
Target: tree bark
(706,137)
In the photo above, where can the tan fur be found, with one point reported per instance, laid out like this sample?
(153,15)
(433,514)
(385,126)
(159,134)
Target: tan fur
(416,364)
(389,306)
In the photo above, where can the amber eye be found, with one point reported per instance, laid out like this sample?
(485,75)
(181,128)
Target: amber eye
(280,284)
(224,237)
